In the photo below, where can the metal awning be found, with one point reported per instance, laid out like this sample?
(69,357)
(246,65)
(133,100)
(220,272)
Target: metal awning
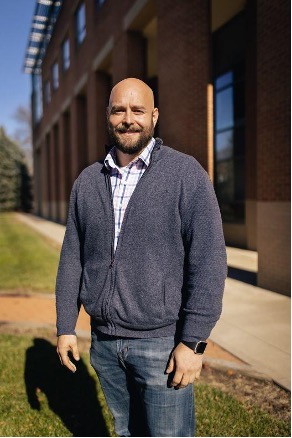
(42,26)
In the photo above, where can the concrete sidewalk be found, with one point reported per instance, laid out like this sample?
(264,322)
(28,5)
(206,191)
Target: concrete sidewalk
(255,323)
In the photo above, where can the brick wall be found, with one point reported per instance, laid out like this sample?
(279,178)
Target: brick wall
(183,74)
(273,144)
(273,91)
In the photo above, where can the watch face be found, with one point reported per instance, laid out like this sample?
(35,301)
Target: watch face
(200,347)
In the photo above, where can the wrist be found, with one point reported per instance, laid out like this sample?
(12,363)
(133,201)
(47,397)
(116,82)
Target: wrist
(198,347)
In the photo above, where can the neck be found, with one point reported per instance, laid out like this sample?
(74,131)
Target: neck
(124,159)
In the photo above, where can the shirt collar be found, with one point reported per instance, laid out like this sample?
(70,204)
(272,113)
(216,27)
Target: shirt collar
(110,161)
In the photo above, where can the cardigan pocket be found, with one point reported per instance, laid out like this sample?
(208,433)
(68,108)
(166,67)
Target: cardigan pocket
(92,292)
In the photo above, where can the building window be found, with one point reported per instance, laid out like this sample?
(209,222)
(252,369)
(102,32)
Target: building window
(99,3)
(55,76)
(80,24)
(66,54)
(47,92)
(230,144)
(37,99)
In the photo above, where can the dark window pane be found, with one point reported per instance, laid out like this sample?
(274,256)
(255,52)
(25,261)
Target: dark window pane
(47,92)
(224,145)
(225,180)
(55,76)
(230,144)
(80,24)
(66,54)
(224,80)
(224,109)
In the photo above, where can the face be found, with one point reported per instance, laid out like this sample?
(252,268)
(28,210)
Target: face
(131,116)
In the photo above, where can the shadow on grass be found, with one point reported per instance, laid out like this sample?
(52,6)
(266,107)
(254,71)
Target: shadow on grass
(71,396)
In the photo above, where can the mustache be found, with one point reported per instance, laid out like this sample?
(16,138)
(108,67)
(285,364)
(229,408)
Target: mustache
(122,130)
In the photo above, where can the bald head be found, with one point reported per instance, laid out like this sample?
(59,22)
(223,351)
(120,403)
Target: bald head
(132,88)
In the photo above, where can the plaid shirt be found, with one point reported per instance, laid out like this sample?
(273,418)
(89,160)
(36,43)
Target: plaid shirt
(124,181)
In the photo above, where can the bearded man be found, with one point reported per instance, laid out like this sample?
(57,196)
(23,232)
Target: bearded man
(144,253)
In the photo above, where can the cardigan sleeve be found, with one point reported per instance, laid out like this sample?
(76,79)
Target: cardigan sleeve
(205,262)
(69,272)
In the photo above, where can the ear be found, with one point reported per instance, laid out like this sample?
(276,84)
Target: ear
(155,114)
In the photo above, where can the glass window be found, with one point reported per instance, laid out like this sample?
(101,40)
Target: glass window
(224,80)
(230,144)
(47,91)
(37,99)
(55,76)
(80,24)
(224,109)
(99,3)
(66,54)
(224,145)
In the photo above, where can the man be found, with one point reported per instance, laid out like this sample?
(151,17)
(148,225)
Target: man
(144,253)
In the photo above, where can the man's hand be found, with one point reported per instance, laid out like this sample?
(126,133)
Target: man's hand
(65,344)
(186,366)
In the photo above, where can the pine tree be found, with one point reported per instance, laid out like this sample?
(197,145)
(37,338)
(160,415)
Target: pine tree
(15,187)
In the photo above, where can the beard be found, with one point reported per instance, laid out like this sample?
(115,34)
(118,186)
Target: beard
(128,145)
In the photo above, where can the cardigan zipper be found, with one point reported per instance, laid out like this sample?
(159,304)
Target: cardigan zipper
(127,209)
(109,187)
(114,252)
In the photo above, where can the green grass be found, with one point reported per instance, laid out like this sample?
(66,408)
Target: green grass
(27,261)
(38,397)
(220,414)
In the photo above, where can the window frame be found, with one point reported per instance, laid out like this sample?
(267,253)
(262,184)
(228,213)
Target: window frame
(233,209)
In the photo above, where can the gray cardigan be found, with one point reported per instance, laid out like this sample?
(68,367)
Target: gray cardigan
(167,274)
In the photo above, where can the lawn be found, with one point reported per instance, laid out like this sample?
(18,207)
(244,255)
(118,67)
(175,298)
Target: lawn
(38,397)
(41,398)
(27,260)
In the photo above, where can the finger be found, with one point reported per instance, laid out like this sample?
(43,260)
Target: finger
(193,377)
(75,352)
(68,364)
(177,378)
(63,354)
(60,357)
(170,367)
(71,366)
(184,381)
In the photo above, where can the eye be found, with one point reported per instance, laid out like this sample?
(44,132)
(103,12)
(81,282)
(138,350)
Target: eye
(117,111)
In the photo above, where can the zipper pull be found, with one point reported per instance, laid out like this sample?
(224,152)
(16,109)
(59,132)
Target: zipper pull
(111,265)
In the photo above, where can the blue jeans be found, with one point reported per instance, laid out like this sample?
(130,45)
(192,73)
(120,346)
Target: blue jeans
(136,388)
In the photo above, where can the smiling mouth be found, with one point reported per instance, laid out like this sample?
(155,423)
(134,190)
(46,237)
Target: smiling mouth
(123,131)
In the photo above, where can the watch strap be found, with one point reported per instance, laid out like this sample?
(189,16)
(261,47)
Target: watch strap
(197,347)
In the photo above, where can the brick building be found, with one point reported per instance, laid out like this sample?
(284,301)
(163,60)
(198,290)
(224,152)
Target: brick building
(220,71)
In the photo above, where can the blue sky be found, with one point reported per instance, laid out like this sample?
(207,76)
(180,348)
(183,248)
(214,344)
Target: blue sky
(15,86)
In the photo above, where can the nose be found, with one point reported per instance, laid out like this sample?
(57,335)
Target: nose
(128,118)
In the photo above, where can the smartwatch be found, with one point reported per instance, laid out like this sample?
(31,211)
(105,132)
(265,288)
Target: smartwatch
(197,347)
